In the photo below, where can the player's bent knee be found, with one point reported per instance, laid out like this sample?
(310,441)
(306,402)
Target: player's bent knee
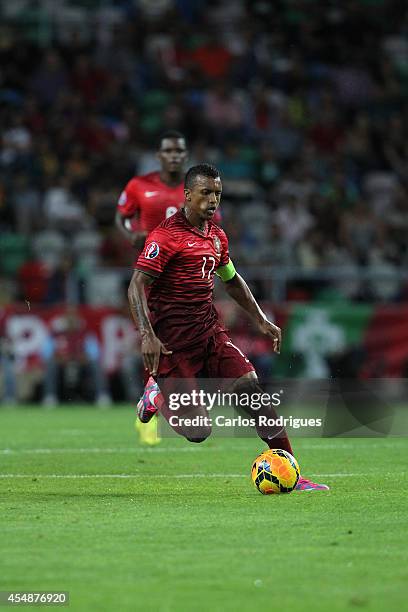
(250,378)
(197,440)
(198,435)
(247,385)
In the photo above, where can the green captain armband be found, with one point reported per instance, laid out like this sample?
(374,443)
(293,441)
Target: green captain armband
(227,272)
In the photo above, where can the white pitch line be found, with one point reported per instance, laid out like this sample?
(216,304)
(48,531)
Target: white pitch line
(149,476)
(161,449)
(351,445)
(131,450)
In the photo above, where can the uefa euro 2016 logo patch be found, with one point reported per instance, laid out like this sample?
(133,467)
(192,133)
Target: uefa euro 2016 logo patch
(152,250)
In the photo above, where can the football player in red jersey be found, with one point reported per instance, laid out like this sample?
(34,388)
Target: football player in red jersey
(171,300)
(144,203)
(149,199)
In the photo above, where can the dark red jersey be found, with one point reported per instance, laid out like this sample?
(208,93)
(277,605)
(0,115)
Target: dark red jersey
(146,201)
(183,260)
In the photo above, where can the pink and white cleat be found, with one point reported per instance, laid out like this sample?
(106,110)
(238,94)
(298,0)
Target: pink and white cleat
(307,485)
(146,408)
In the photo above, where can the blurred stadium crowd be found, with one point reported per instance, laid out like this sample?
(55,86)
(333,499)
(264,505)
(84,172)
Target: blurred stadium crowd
(301,104)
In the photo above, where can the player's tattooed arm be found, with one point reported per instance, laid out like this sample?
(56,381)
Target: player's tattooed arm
(241,293)
(151,345)
(136,238)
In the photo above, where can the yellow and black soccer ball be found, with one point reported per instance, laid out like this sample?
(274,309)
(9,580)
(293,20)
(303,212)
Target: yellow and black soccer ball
(275,471)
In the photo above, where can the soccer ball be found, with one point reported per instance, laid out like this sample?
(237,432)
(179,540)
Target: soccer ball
(275,471)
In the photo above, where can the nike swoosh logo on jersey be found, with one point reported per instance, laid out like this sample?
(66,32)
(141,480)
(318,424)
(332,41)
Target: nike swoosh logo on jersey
(150,194)
(191,243)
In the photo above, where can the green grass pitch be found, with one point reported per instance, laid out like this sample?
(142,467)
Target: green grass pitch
(180,527)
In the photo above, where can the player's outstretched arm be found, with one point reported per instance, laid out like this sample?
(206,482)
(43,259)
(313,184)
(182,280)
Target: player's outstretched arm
(151,346)
(241,293)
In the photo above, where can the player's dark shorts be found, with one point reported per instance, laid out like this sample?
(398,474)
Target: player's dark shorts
(215,357)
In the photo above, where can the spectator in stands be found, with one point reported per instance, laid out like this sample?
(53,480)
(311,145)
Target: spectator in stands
(73,360)
(293,219)
(223,112)
(26,205)
(361,231)
(61,209)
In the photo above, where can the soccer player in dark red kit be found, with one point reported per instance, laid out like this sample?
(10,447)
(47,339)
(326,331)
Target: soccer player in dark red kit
(144,203)
(171,300)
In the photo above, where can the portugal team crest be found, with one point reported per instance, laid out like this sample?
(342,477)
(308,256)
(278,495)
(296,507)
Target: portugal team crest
(152,250)
(217,245)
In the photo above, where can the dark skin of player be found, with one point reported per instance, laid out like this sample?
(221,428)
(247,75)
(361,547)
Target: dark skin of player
(172,155)
(201,202)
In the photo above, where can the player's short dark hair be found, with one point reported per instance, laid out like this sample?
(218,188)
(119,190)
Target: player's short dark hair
(199,170)
(171,134)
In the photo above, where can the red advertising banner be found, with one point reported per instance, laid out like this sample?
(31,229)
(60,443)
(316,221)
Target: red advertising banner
(28,330)
(314,333)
